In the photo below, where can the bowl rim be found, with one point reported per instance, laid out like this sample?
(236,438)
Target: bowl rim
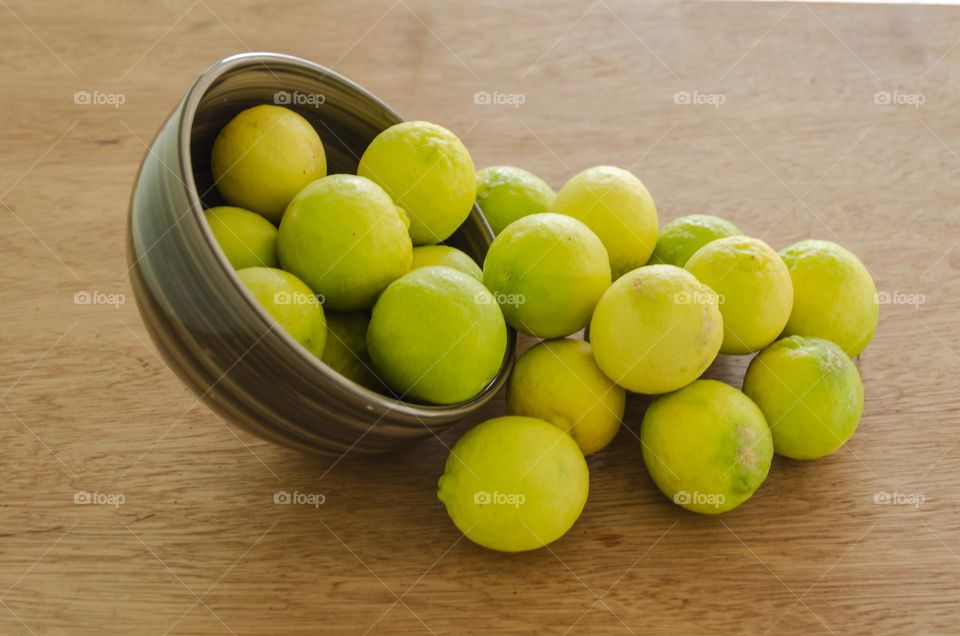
(426,414)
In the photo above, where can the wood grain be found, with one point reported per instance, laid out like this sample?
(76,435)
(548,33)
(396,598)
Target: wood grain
(798,148)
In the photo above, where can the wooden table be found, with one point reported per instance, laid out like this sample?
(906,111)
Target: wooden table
(786,133)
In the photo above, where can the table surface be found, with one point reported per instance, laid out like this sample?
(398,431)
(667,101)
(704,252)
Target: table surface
(785,132)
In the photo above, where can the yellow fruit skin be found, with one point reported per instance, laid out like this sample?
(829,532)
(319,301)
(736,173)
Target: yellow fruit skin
(246,238)
(342,235)
(810,393)
(834,295)
(514,483)
(428,172)
(288,299)
(618,208)
(547,271)
(264,156)
(681,238)
(436,335)
(427,255)
(505,194)
(706,446)
(345,350)
(752,281)
(559,381)
(656,329)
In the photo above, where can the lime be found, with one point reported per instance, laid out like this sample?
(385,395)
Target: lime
(706,446)
(559,381)
(754,289)
(343,236)
(505,194)
(547,271)
(810,393)
(247,239)
(656,329)
(428,172)
(834,295)
(287,299)
(514,484)
(264,156)
(437,335)
(615,205)
(346,348)
(680,238)
(426,255)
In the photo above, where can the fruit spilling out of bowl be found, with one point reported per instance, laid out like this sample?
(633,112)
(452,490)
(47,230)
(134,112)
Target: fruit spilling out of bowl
(354,268)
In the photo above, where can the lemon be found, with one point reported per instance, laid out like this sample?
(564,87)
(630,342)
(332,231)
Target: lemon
(706,446)
(505,194)
(547,271)
(680,238)
(346,348)
(754,287)
(428,172)
(246,238)
(343,236)
(810,393)
(656,329)
(617,206)
(287,299)
(437,335)
(426,255)
(514,484)
(834,295)
(264,156)
(559,381)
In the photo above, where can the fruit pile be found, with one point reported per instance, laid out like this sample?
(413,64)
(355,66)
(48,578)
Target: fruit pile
(356,273)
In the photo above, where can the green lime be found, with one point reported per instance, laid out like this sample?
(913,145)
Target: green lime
(246,238)
(264,156)
(346,348)
(505,194)
(514,484)
(428,172)
(427,255)
(707,446)
(753,286)
(656,329)
(437,335)
(343,236)
(680,238)
(287,299)
(617,206)
(559,381)
(834,295)
(810,393)
(547,271)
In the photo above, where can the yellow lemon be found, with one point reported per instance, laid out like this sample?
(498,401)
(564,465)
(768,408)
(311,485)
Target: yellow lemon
(681,238)
(287,299)
(505,194)
(427,255)
(246,238)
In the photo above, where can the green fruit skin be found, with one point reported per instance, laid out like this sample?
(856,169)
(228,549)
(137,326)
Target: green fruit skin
(264,156)
(515,456)
(506,193)
(428,172)
(427,255)
(617,206)
(547,271)
(287,299)
(681,238)
(246,238)
(346,348)
(343,236)
(834,295)
(437,335)
(707,438)
(810,393)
